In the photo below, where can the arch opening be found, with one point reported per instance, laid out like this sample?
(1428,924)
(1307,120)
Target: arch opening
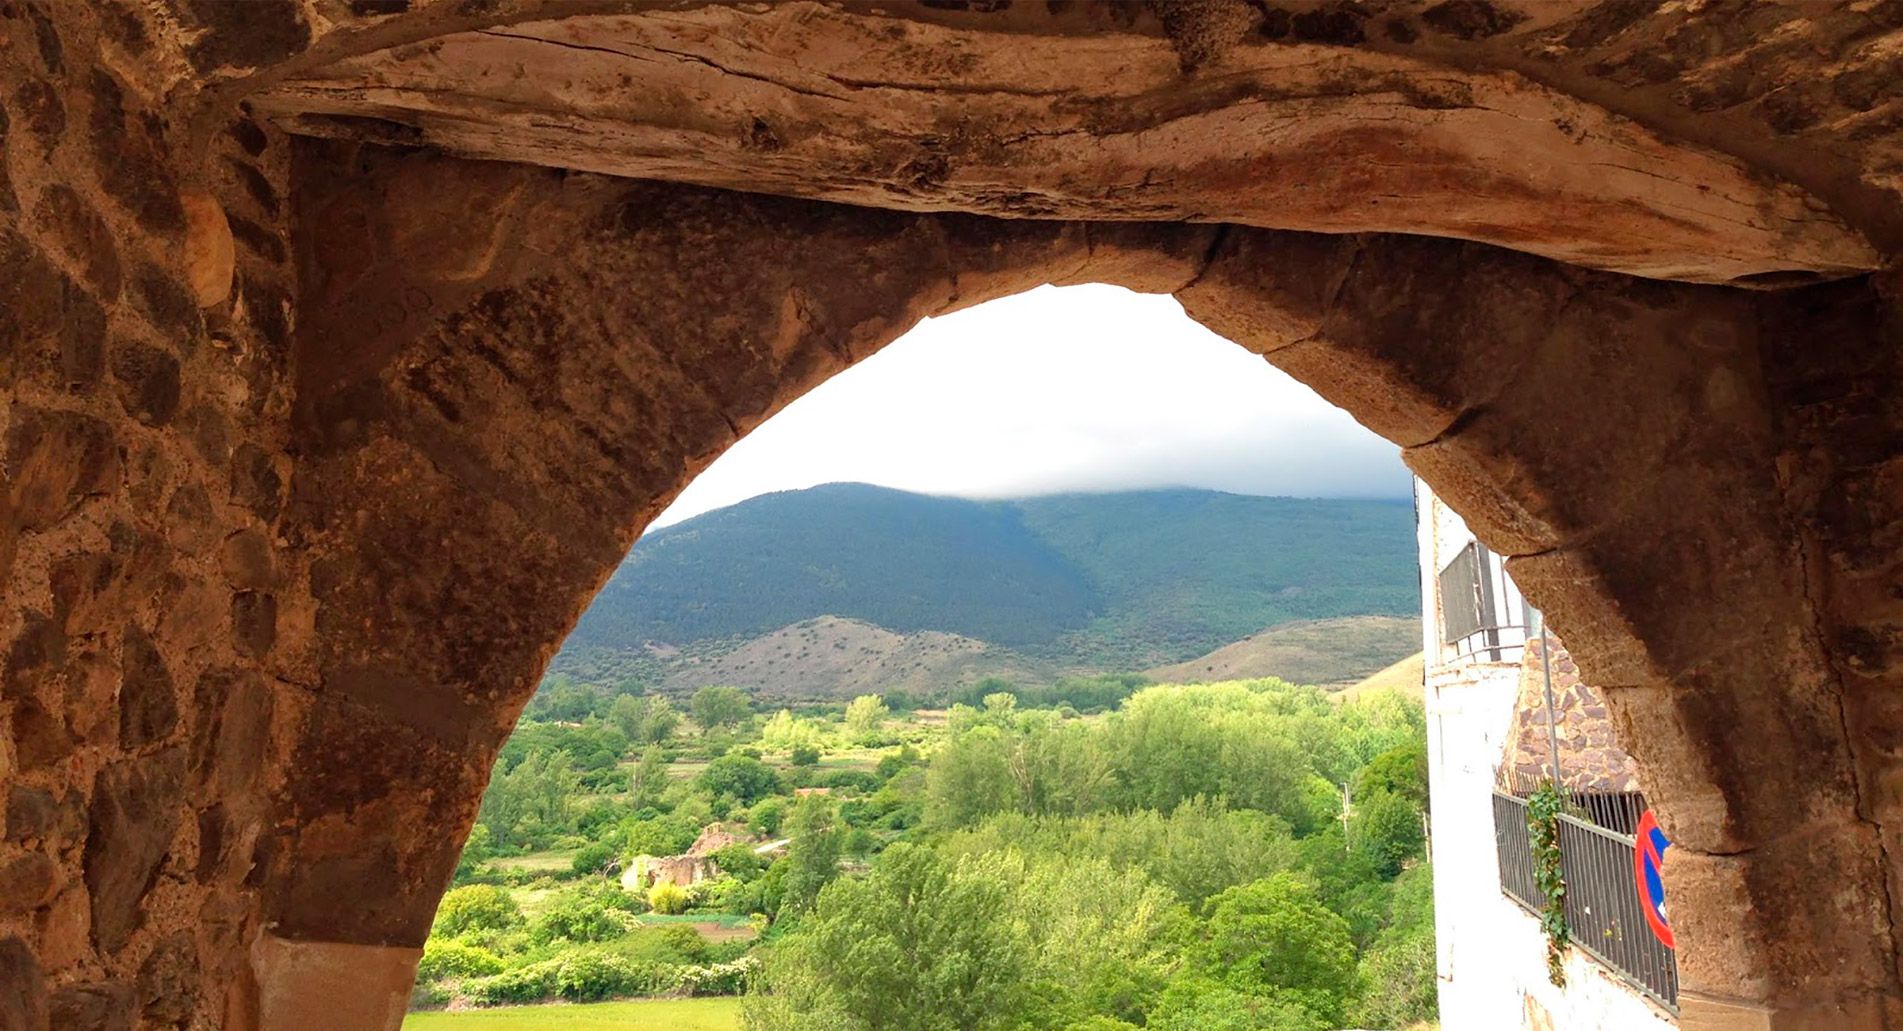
(1026,447)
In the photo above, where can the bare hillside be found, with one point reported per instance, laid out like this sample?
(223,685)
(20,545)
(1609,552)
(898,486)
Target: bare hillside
(831,657)
(1328,652)
(1407,677)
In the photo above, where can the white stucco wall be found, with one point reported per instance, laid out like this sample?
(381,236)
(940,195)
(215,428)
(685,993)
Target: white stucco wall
(1492,956)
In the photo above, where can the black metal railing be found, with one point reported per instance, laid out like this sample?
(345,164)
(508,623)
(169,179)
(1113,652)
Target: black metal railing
(1616,811)
(1603,911)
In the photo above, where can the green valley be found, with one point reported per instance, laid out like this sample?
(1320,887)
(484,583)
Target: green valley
(1095,854)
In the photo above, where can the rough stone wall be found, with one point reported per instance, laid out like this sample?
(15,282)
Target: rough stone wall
(141,482)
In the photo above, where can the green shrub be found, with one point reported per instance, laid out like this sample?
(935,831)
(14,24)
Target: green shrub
(591,976)
(1208,1007)
(589,912)
(451,958)
(740,861)
(426,996)
(767,815)
(665,836)
(851,780)
(686,943)
(502,943)
(718,979)
(805,755)
(667,897)
(593,858)
(587,974)
(740,776)
(531,983)
(475,907)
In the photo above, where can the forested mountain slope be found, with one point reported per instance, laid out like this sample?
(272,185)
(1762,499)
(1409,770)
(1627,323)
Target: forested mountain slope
(1116,581)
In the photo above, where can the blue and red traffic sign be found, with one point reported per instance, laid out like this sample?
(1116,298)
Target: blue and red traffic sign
(1648,859)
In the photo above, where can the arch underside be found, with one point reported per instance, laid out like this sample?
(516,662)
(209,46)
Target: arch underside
(885,108)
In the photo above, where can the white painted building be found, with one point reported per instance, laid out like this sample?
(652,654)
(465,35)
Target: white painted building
(1492,955)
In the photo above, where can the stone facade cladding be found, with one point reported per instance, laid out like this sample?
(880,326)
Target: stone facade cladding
(1590,759)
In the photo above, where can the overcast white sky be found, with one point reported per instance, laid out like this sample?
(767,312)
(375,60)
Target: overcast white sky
(1078,388)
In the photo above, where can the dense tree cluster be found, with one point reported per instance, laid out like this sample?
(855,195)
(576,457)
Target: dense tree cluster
(1234,856)
(1185,862)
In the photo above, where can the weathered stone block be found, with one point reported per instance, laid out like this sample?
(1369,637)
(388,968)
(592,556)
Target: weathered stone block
(254,622)
(40,737)
(148,701)
(132,162)
(135,809)
(27,882)
(88,242)
(31,813)
(169,981)
(209,254)
(248,561)
(169,303)
(22,988)
(246,36)
(148,382)
(305,983)
(43,112)
(54,462)
(232,734)
(97,1006)
(255,483)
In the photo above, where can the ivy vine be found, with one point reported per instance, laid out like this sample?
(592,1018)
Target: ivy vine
(1542,827)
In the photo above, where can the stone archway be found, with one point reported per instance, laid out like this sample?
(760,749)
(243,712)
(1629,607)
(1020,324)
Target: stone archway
(549,375)
(272,406)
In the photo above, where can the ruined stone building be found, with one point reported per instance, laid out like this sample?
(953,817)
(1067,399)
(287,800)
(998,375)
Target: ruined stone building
(689,868)
(348,344)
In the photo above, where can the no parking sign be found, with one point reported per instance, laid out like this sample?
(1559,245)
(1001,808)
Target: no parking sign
(1648,858)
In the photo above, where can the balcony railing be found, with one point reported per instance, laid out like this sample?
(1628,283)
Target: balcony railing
(1603,911)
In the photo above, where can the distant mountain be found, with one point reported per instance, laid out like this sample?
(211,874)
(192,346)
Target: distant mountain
(902,561)
(1074,582)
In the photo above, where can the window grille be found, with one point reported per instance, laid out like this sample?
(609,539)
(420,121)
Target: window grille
(1482,614)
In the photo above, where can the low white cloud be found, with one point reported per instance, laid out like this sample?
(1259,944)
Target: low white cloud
(1081,388)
